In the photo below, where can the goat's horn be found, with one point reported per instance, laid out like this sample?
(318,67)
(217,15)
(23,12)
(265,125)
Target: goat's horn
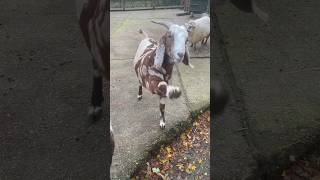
(165,24)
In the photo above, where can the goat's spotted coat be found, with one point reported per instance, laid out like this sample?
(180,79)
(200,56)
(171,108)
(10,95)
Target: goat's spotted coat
(150,77)
(155,79)
(153,64)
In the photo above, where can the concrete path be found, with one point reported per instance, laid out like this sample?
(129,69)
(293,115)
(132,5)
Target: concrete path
(136,124)
(276,67)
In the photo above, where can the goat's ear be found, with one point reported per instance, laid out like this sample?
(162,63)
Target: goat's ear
(186,58)
(160,54)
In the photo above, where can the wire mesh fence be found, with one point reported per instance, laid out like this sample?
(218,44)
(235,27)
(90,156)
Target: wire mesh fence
(195,6)
(143,4)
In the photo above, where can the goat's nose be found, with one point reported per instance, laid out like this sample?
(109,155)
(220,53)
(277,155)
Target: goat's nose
(180,54)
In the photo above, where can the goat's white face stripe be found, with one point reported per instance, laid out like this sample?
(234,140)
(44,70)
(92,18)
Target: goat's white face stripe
(180,35)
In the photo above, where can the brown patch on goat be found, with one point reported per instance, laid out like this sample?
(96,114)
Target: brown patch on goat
(152,76)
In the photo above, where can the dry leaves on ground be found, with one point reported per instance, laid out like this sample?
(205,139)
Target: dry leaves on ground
(301,170)
(183,157)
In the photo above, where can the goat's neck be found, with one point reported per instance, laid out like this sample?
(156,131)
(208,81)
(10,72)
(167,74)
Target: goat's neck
(167,63)
(168,59)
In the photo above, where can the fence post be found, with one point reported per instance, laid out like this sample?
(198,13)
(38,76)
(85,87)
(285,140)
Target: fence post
(123,5)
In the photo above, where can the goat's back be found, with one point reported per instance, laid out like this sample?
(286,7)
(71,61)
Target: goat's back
(145,44)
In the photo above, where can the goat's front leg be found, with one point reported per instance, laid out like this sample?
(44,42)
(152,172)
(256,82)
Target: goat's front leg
(162,108)
(139,97)
(97,94)
(195,47)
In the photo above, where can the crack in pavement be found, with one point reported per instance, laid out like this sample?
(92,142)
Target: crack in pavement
(235,90)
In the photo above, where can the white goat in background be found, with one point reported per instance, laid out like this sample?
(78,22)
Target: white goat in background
(199,30)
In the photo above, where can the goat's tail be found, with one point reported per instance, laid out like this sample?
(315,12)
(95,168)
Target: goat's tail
(144,33)
(173,92)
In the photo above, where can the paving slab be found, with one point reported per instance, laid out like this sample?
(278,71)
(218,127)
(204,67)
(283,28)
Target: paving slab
(125,25)
(197,83)
(232,155)
(276,67)
(136,124)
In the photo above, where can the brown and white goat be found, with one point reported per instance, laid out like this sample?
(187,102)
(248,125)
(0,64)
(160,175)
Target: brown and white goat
(153,63)
(94,24)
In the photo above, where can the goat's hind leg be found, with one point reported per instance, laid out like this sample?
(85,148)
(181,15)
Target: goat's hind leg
(203,40)
(95,110)
(162,108)
(206,40)
(139,96)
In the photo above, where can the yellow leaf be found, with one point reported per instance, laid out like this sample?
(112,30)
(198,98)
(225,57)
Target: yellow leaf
(180,166)
(189,137)
(163,161)
(188,171)
(185,143)
(183,136)
(169,150)
(191,168)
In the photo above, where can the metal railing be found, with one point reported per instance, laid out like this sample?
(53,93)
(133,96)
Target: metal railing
(125,5)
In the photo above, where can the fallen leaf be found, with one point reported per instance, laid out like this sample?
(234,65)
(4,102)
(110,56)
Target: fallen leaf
(156,170)
(189,137)
(191,168)
(180,166)
(183,136)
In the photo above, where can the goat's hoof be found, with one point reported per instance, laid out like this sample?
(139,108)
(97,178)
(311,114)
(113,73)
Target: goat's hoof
(162,124)
(139,97)
(95,112)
